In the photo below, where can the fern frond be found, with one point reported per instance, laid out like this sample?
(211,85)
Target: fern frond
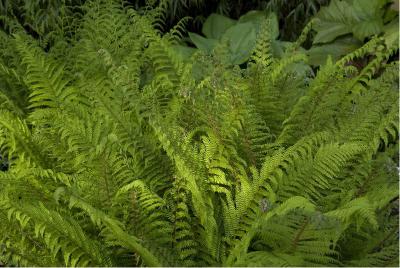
(61,237)
(44,78)
(114,230)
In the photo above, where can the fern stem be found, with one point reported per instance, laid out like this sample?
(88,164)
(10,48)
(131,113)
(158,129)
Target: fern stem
(299,233)
(380,244)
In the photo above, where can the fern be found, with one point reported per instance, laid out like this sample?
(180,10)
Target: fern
(116,151)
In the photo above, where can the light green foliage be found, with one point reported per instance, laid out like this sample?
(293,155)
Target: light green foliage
(119,152)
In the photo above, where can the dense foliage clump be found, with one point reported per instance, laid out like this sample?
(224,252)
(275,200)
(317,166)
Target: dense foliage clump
(118,149)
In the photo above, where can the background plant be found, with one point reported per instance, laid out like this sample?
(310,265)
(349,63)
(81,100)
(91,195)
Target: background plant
(340,28)
(344,26)
(42,17)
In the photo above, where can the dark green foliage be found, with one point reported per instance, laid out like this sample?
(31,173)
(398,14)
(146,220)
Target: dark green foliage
(344,26)
(293,15)
(44,20)
(339,29)
(120,153)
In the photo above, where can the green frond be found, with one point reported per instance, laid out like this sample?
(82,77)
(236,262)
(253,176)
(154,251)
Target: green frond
(17,141)
(48,88)
(359,209)
(303,36)
(116,149)
(369,47)
(13,95)
(113,230)
(262,53)
(387,256)
(64,239)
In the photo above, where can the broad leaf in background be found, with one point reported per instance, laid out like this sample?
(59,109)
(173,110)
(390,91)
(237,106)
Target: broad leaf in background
(333,21)
(391,33)
(257,17)
(369,17)
(216,25)
(252,16)
(359,17)
(318,54)
(241,39)
(344,25)
(205,44)
(239,35)
(184,52)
